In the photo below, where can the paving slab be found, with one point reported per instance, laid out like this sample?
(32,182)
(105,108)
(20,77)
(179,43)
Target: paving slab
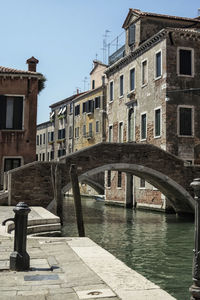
(72,269)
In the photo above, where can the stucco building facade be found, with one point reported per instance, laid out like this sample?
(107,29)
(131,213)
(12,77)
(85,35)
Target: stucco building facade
(18,112)
(153,97)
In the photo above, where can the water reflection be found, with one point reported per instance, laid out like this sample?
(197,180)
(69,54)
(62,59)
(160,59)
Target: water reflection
(156,245)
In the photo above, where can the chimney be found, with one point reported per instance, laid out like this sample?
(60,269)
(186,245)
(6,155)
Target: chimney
(32,62)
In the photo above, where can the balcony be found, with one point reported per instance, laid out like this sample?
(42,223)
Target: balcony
(89,135)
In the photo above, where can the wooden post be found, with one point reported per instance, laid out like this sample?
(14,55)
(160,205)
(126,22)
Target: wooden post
(77,200)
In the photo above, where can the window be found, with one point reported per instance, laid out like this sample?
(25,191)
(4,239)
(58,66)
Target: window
(97,126)
(97,102)
(77,110)
(52,155)
(143,126)
(61,152)
(50,136)
(40,139)
(132,79)
(142,183)
(144,72)
(47,156)
(111,91)
(36,157)
(90,129)
(84,107)
(131,34)
(71,108)
(93,84)
(110,135)
(121,132)
(121,85)
(11,163)
(11,112)
(43,156)
(37,140)
(90,106)
(84,130)
(61,134)
(70,132)
(77,132)
(157,125)
(131,125)
(185,121)
(185,62)
(158,65)
(43,138)
(108,178)
(119,179)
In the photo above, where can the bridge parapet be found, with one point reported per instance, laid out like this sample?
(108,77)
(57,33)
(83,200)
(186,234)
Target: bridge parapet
(35,182)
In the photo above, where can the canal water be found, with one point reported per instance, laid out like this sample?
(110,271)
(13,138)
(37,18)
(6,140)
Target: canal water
(156,245)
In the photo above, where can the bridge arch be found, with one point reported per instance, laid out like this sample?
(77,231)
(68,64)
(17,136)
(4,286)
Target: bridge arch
(176,194)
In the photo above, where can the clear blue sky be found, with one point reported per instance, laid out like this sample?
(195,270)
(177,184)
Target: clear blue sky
(66,35)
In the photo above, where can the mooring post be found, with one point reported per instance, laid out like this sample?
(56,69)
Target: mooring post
(19,258)
(77,200)
(195,288)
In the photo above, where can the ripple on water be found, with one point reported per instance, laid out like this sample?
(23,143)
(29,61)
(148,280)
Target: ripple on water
(156,245)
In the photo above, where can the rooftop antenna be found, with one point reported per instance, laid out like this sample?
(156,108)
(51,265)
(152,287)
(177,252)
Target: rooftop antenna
(85,81)
(105,36)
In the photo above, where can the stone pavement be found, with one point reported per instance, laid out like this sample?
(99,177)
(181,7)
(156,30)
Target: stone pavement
(72,269)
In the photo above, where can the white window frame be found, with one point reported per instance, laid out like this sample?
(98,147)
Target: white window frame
(178,120)
(144,84)
(121,96)
(112,81)
(178,61)
(161,71)
(122,137)
(132,68)
(157,108)
(144,113)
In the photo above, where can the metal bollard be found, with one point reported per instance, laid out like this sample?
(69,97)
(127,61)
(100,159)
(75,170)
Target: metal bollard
(195,288)
(19,258)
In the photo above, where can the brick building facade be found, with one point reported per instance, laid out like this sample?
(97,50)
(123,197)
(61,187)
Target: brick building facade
(153,97)
(18,113)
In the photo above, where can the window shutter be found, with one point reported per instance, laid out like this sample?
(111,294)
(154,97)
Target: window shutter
(185,121)
(158,64)
(185,62)
(18,113)
(131,34)
(2,112)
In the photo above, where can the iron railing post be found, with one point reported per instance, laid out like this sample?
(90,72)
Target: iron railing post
(195,288)
(19,258)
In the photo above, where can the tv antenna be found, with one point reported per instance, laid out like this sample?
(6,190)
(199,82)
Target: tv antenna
(105,45)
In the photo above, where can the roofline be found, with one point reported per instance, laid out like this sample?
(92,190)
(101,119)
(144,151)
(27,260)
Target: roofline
(44,123)
(142,14)
(70,98)
(37,75)
(151,42)
(90,92)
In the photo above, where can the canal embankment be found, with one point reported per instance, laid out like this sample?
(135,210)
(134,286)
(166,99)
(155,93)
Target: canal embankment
(72,268)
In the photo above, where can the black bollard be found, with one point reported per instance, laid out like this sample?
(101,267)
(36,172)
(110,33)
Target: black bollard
(19,258)
(195,288)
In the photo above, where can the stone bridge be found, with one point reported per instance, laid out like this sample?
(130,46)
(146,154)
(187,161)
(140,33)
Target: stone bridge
(39,183)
